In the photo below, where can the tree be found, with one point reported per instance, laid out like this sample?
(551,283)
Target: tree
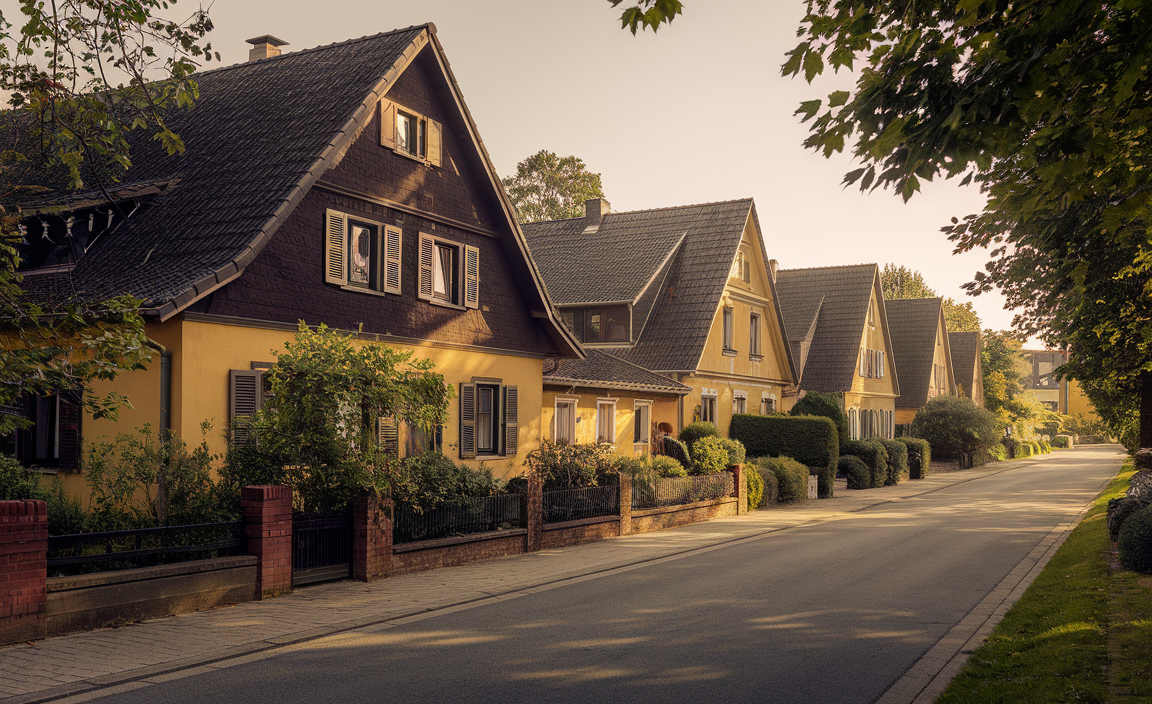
(648,14)
(1004,392)
(80,76)
(548,187)
(1045,105)
(900,282)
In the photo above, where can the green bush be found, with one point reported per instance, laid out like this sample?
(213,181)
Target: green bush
(755,487)
(859,476)
(694,431)
(1062,442)
(874,456)
(18,482)
(709,456)
(438,481)
(736,452)
(1024,449)
(1010,445)
(810,440)
(668,467)
(1135,543)
(955,426)
(919,456)
(65,515)
(829,405)
(572,465)
(1045,447)
(897,461)
(678,451)
(771,485)
(791,477)
(1120,510)
(998,453)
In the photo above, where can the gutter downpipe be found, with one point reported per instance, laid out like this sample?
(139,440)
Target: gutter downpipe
(165,423)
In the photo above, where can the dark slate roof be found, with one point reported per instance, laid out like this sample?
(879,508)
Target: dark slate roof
(603,370)
(837,298)
(258,135)
(913,324)
(965,346)
(616,262)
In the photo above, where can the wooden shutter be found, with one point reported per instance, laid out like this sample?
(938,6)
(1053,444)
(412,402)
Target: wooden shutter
(388,436)
(511,420)
(467,420)
(427,254)
(435,142)
(471,277)
(883,355)
(393,241)
(245,396)
(70,436)
(335,248)
(388,124)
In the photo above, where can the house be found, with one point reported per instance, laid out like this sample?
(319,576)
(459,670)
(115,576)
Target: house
(922,354)
(1038,374)
(345,185)
(684,292)
(838,332)
(966,365)
(603,398)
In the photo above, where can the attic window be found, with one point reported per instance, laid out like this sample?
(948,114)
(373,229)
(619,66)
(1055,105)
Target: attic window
(410,134)
(741,268)
(599,324)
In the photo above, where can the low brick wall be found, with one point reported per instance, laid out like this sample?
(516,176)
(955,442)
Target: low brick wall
(23,554)
(649,519)
(462,550)
(588,530)
(104,598)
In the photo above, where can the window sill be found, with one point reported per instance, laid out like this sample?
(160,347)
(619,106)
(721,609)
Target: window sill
(730,353)
(409,155)
(369,291)
(444,304)
(755,357)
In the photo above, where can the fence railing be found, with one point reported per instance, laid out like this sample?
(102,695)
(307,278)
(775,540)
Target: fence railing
(575,504)
(471,516)
(142,547)
(675,491)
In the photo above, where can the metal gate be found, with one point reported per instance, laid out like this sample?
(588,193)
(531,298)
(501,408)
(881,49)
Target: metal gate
(321,547)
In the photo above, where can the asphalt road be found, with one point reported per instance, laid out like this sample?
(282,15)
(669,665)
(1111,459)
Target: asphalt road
(834,612)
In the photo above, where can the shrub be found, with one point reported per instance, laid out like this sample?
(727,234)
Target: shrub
(874,456)
(572,465)
(859,476)
(438,481)
(771,485)
(665,466)
(1062,442)
(955,426)
(897,461)
(709,456)
(810,440)
(1010,445)
(998,453)
(736,452)
(65,515)
(1023,449)
(755,487)
(678,451)
(1045,447)
(791,477)
(19,482)
(919,456)
(694,431)
(1135,543)
(1119,510)
(816,403)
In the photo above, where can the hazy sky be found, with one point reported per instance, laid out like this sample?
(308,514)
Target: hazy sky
(696,113)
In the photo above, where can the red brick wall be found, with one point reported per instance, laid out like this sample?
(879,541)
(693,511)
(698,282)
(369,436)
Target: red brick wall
(371,538)
(660,518)
(566,535)
(267,515)
(23,570)
(459,554)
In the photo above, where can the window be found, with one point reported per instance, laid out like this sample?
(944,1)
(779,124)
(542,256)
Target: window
(741,268)
(449,272)
(708,408)
(754,335)
(361,253)
(767,404)
(739,402)
(600,324)
(489,419)
(565,422)
(410,134)
(420,441)
(728,330)
(642,423)
(53,438)
(606,420)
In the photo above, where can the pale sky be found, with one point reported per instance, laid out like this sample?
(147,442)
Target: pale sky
(694,114)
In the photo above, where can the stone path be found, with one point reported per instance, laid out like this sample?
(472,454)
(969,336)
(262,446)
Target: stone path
(90,662)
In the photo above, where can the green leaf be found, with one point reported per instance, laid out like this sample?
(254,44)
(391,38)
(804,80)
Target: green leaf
(838,98)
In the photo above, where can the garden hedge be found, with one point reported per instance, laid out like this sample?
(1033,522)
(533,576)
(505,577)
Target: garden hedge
(1062,442)
(810,440)
(874,456)
(694,431)
(1135,543)
(755,488)
(919,456)
(897,461)
(829,405)
(771,484)
(791,477)
(709,456)
(858,474)
(678,451)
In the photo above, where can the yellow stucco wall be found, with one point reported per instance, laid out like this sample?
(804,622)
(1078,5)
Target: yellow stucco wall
(872,338)
(1078,403)
(663,410)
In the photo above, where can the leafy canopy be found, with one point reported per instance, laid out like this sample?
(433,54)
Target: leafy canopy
(549,187)
(648,14)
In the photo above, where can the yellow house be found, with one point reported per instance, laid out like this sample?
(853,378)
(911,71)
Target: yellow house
(684,292)
(344,185)
(922,352)
(967,365)
(838,331)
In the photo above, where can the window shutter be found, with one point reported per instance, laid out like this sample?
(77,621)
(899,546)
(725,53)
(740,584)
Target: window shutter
(883,355)
(511,420)
(434,142)
(393,241)
(245,394)
(70,418)
(388,124)
(467,420)
(471,277)
(388,436)
(336,248)
(427,253)
(861,362)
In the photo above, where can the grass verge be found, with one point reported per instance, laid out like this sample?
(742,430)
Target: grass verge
(1082,632)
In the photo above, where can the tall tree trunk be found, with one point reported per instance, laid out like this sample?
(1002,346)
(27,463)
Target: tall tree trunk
(1145,409)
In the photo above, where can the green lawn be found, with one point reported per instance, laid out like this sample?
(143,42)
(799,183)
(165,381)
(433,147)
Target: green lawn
(1081,633)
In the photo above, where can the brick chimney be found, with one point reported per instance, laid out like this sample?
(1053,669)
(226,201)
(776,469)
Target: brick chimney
(773,265)
(264,47)
(595,209)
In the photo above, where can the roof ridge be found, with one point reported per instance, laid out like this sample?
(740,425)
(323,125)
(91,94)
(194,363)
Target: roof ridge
(834,266)
(680,207)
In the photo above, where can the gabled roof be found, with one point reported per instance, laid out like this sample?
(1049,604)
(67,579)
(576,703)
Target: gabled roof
(914,323)
(603,370)
(965,346)
(259,137)
(690,248)
(834,300)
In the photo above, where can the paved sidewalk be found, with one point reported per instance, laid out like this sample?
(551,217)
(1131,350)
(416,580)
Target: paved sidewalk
(82,662)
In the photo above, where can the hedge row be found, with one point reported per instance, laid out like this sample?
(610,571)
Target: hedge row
(791,476)
(811,440)
(874,456)
(858,474)
(919,456)
(897,461)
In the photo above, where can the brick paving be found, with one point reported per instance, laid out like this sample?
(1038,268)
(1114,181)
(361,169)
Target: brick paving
(81,662)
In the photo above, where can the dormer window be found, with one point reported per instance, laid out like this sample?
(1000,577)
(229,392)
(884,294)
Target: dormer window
(741,268)
(600,324)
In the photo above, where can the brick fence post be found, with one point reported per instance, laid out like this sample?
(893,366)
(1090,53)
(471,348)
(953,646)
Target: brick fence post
(267,515)
(371,537)
(23,570)
(740,481)
(625,504)
(534,514)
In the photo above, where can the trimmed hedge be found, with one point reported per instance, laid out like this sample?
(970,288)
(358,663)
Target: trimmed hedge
(1010,445)
(874,456)
(998,453)
(678,451)
(919,457)
(810,440)
(829,405)
(957,427)
(791,477)
(736,452)
(1135,543)
(709,456)
(1062,442)
(755,487)
(897,461)
(771,485)
(694,431)
(665,466)
(859,476)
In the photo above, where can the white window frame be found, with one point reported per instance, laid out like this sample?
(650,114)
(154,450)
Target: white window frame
(755,335)
(601,405)
(642,409)
(739,398)
(709,401)
(728,328)
(564,401)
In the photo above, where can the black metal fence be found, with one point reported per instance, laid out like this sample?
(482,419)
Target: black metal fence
(675,491)
(470,516)
(586,502)
(143,547)
(321,547)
